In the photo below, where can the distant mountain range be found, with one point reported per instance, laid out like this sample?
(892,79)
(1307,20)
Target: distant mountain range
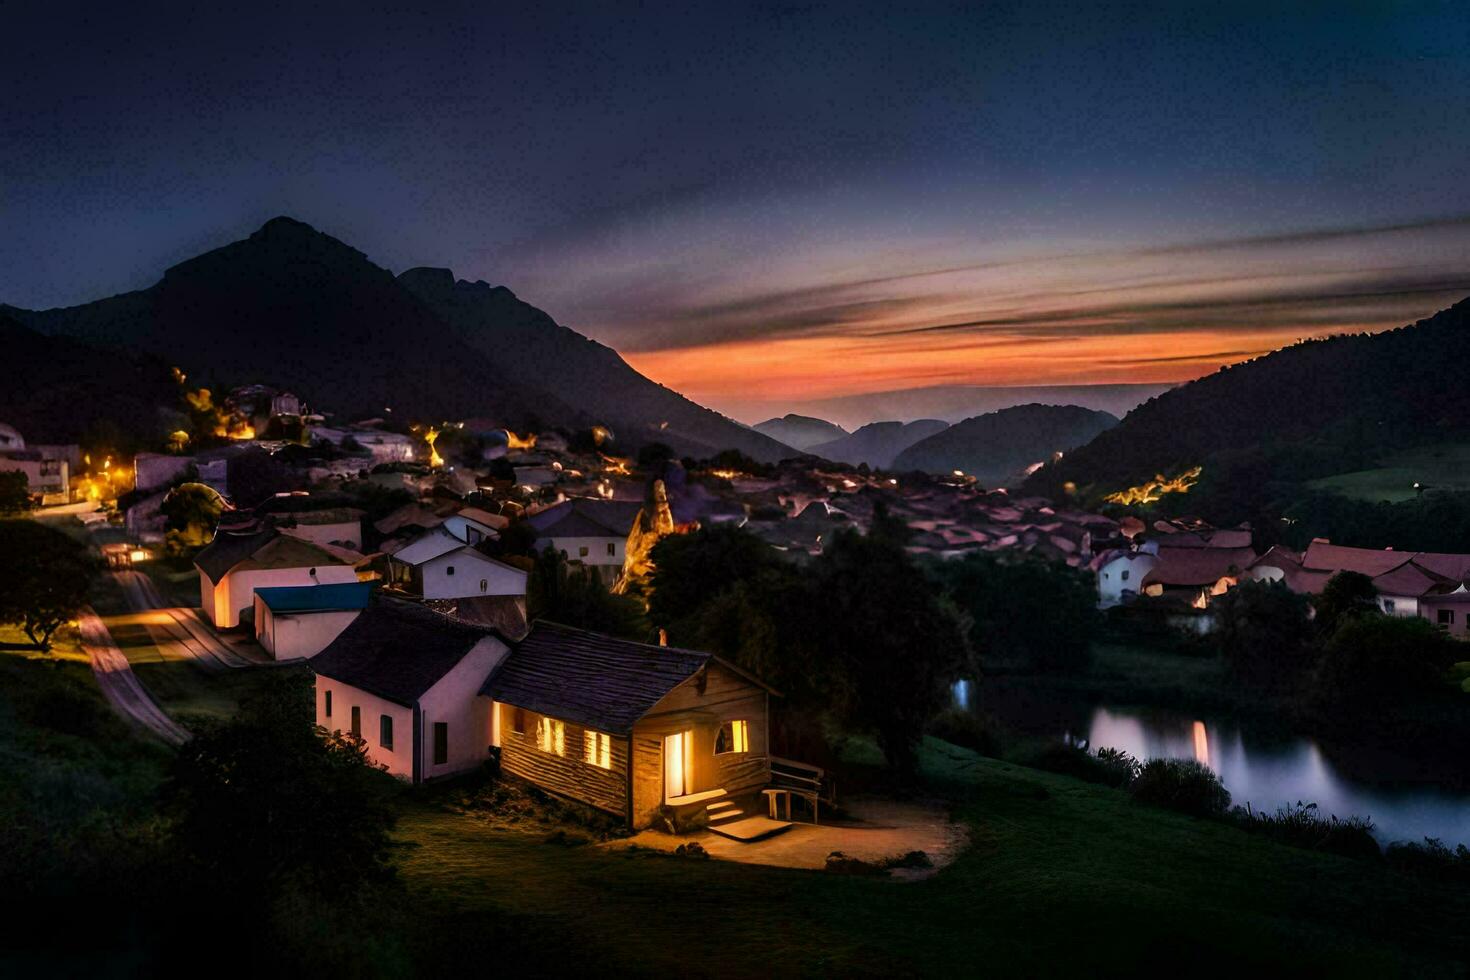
(297,309)
(801,431)
(1307,411)
(877,443)
(953,403)
(998,448)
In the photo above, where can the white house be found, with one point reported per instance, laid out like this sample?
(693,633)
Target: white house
(407,680)
(438,565)
(234,565)
(473,525)
(587,531)
(46,468)
(1120,575)
(294,622)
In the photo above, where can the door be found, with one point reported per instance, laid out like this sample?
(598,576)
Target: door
(677,777)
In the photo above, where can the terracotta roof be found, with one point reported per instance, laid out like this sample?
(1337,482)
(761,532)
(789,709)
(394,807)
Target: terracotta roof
(1408,580)
(398,650)
(1198,566)
(1338,558)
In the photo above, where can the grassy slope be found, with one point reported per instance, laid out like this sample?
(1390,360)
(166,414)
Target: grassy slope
(1443,467)
(1062,876)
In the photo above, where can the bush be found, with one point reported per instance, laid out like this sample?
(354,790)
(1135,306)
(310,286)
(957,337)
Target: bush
(1304,826)
(1066,759)
(1183,785)
(1121,768)
(1431,859)
(980,733)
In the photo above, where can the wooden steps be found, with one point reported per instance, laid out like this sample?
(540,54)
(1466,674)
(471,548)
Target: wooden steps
(722,811)
(749,829)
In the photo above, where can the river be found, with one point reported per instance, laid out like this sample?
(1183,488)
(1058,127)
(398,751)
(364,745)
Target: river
(1406,799)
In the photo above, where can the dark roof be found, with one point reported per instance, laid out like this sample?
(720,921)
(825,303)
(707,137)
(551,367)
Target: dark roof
(228,550)
(590,679)
(398,650)
(583,517)
(316,598)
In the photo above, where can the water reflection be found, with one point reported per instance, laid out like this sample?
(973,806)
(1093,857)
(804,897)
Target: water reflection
(1268,772)
(1406,798)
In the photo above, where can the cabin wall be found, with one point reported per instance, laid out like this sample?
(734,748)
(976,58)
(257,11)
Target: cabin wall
(725,696)
(570,774)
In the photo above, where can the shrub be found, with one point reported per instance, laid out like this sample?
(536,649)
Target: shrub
(1064,758)
(1120,767)
(1181,784)
(1304,826)
(1431,859)
(981,733)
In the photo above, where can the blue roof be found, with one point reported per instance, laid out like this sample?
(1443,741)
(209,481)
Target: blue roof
(316,598)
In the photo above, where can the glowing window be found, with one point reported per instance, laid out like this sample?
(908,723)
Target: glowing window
(551,736)
(597,749)
(582,551)
(734,736)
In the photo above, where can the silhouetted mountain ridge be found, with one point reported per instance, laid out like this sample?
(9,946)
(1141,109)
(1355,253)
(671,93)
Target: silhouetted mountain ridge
(877,443)
(801,431)
(996,448)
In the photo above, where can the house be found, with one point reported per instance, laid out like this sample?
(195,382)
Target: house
(339,526)
(1120,573)
(1408,583)
(236,563)
(407,680)
(47,469)
(298,621)
(473,525)
(592,532)
(1196,574)
(438,565)
(628,727)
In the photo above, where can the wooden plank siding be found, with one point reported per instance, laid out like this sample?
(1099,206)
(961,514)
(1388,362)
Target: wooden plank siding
(569,775)
(701,705)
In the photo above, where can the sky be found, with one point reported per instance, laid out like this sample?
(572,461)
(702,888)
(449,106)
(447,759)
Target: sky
(764,205)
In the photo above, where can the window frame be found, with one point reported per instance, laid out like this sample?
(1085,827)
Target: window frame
(739,736)
(551,736)
(597,749)
(385,732)
(441,743)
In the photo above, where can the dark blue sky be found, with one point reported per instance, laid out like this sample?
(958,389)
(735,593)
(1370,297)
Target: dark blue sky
(762,202)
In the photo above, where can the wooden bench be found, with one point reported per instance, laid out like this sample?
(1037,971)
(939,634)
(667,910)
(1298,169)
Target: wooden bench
(774,795)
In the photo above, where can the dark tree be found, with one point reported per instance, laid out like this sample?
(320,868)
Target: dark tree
(255,476)
(575,596)
(1023,612)
(267,802)
(1264,631)
(892,646)
(192,510)
(653,455)
(1346,596)
(692,569)
(1371,662)
(15,493)
(44,580)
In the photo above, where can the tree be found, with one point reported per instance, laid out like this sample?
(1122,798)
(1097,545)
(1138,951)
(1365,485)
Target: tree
(891,645)
(255,475)
(192,510)
(15,492)
(268,802)
(576,596)
(1347,595)
(1372,661)
(692,569)
(1023,611)
(1264,631)
(652,455)
(45,578)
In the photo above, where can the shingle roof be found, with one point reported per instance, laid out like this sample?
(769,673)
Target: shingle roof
(428,546)
(1409,580)
(316,598)
(398,650)
(590,679)
(1340,558)
(228,550)
(586,518)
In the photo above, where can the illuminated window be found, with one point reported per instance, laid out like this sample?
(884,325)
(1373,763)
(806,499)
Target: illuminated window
(551,736)
(518,720)
(597,749)
(385,731)
(734,736)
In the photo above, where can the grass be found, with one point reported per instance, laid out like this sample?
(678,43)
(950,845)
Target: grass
(1442,467)
(1062,876)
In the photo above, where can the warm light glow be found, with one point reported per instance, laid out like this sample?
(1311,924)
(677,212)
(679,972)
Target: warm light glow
(514,442)
(137,555)
(551,736)
(676,764)
(1201,743)
(597,749)
(615,465)
(726,474)
(1154,489)
(431,436)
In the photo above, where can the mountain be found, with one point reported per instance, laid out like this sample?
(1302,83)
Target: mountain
(998,448)
(1307,411)
(801,431)
(954,403)
(294,308)
(525,342)
(877,443)
(75,392)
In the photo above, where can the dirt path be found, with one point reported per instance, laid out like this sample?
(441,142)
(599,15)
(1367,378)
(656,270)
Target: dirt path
(139,590)
(120,684)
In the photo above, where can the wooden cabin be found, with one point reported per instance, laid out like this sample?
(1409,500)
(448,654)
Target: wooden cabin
(629,728)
